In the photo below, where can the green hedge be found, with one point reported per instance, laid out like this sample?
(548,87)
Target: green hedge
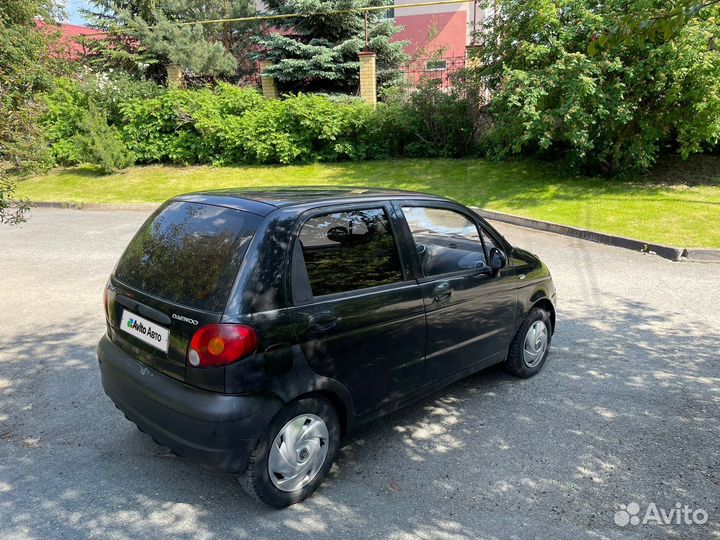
(236,125)
(232,125)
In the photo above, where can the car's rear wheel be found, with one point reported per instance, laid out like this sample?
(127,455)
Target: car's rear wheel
(295,454)
(531,345)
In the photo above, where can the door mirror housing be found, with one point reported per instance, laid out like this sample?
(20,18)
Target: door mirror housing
(497,259)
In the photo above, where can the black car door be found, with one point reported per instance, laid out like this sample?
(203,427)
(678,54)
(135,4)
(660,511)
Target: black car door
(362,319)
(470,308)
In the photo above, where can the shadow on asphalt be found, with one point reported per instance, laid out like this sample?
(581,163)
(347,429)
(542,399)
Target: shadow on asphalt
(624,411)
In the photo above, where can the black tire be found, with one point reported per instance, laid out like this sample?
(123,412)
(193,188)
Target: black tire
(515,362)
(256,479)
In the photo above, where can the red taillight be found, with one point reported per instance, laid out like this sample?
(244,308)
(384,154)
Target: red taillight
(107,303)
(221,344)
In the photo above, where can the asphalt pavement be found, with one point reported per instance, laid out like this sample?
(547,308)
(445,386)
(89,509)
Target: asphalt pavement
(627,410)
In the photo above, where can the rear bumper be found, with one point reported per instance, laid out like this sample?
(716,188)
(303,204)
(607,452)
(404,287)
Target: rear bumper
(217,430)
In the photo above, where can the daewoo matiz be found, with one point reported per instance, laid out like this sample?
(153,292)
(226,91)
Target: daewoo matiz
(251,330)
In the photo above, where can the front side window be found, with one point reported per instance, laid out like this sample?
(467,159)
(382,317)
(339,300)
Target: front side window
(489,242)
(446,241)
(346,251)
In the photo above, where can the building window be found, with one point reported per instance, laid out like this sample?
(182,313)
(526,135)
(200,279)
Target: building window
(436,65)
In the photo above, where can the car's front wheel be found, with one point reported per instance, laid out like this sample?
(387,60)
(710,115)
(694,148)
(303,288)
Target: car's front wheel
(295,454)
(531,345)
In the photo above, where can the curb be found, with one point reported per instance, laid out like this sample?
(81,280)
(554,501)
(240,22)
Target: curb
(668,252)
(702,255)
(96,206)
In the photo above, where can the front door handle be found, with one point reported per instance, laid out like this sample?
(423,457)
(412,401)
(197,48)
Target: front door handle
(442,292)
(323,321)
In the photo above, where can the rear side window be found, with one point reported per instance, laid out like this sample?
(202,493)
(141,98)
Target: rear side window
(188,253)
(346,251)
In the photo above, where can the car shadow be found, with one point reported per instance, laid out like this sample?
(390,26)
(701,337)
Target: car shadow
(625,410)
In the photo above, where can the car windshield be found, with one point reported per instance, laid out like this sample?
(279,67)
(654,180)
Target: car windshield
(188,253)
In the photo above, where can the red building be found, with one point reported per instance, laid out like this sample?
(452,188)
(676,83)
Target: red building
(438,35)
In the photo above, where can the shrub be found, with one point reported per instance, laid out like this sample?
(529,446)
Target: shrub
(231,125)
(26,69)
(431,121)
(391,129)
(612,111)
(234,100)
(185,126)
(68,102)
(99,143)
(65,108)
(12,211)
(109,91)
(447,121)
(299,129)
(161,129)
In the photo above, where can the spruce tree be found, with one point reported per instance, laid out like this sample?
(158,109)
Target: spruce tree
(118,49)
(320,52)
(185,46)
(236,37)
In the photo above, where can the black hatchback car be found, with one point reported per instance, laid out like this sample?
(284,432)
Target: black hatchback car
(250,330)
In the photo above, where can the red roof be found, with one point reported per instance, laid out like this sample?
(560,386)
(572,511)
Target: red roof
(67,45)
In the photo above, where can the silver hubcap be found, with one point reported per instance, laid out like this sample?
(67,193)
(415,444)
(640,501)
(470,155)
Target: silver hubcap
(535,345)
(298,452)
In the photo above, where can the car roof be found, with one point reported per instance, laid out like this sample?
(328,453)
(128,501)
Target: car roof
(264,200)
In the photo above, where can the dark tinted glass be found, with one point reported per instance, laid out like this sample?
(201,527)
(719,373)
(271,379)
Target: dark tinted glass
(346,251)
(188,253)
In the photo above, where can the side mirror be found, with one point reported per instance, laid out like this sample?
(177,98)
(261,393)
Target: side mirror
(338,234)
(497,259)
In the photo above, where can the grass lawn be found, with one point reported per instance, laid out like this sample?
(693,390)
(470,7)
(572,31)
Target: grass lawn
(680,205)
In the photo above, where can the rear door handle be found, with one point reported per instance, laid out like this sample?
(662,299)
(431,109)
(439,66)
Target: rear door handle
(323,321)
(442,292)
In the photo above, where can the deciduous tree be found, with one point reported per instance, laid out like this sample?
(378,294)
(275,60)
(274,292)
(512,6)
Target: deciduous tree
(616,109)
(26,68)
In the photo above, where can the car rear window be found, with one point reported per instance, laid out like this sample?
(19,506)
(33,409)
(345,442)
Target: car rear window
(188,253)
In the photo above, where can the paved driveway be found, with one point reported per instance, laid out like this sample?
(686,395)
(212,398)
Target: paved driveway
(627,410)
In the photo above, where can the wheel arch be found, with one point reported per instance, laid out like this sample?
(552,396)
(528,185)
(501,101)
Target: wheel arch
(340,407)
(336,401)
(545,303)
